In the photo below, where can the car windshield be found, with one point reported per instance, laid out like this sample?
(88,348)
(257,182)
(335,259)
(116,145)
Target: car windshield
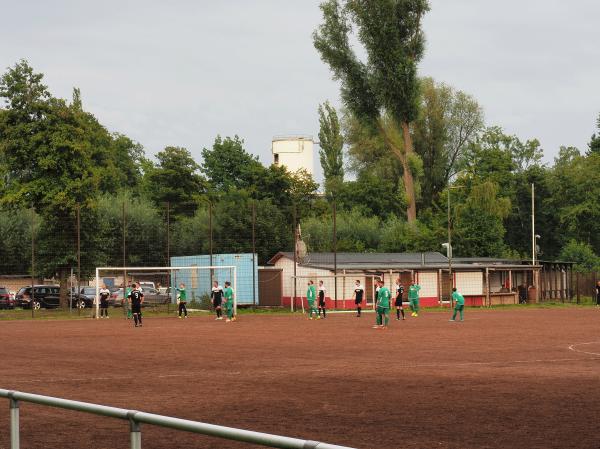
(89,290)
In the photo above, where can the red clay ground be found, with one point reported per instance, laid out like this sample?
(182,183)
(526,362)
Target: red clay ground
(502,379)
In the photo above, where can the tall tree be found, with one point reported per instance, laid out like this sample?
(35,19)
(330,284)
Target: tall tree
(331,142)
(175,179)
(594,145)
(449,120)
(386,86)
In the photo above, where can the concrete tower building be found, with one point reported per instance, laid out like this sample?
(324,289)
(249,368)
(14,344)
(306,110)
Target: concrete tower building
(294,152)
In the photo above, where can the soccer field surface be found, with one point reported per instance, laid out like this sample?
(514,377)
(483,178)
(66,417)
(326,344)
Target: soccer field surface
(501,379)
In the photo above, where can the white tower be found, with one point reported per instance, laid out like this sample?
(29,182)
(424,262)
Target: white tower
(294,152)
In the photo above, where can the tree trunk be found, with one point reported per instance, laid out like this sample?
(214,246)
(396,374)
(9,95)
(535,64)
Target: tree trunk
(409,185)
(63,275)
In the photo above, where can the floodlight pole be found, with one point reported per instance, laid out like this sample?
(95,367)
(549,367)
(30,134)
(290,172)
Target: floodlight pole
(293,301)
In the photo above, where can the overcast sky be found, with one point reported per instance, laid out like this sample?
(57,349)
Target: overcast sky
(181,72)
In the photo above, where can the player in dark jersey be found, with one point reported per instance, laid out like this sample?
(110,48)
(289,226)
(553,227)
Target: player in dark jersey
(136,298)
(398,302)
(321,302)
(359,291)
(216,297)
(104,295)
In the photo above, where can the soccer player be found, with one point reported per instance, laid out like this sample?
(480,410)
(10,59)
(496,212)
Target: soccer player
(311,295)
(216,297)
(104,295)
(459,304)
(228,301)
(398,302)
(413,297)
(322,300)
(136,298)
(383,306)
(359,291)
(182,300)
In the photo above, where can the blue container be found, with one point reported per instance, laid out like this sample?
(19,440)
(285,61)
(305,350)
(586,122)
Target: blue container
(198,282)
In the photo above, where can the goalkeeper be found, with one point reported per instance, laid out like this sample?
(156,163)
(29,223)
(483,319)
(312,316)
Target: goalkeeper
(311,295)
(228,302)
(182,300)
(459,305)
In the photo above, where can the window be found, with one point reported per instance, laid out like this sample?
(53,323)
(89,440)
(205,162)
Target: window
(276,158)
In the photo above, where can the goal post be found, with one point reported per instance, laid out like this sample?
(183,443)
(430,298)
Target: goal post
(198,279)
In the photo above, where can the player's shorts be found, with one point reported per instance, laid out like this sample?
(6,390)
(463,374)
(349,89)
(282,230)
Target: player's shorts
(217,303)
(459,307)
(398,302)
(383,310)
(136,308)
(357,301)
(321,303)
(103,304)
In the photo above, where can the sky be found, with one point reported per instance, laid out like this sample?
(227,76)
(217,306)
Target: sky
(181,72)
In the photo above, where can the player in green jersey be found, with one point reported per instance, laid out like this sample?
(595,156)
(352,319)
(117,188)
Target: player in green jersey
(413,297)
(228,302)
(383,306)
(182,300)
(311,296)
(459,305)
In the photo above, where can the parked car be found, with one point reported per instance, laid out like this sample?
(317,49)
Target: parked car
(152,297)
(147,285)
(6,301)
(47,297)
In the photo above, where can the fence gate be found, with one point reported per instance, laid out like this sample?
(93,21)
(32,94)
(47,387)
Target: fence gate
(270,286)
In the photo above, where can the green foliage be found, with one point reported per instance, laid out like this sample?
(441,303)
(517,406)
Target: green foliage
(15,245)
(582,254)
(449,120)
(398,236)
(175,180)
(331,143)
(594,145)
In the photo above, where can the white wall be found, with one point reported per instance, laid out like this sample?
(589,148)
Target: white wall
(295,154)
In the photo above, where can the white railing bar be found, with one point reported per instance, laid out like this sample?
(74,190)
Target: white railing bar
(135,418)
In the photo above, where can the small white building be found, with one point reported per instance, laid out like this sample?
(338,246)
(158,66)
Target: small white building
(294,152)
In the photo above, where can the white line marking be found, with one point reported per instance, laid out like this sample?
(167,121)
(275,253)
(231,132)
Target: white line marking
(574,346)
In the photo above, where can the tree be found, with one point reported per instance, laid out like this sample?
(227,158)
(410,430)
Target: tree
(594,145)
(449,120)
(47,151)
(229,165)
(479,226)
(582,254)
(175,179)
(386,86)
(332,143)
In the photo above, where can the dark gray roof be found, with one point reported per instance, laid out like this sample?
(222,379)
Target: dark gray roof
(362,259)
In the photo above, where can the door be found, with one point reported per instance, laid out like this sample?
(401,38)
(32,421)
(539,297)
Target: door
(270,287)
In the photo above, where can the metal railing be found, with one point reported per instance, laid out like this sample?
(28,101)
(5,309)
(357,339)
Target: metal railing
(137,418)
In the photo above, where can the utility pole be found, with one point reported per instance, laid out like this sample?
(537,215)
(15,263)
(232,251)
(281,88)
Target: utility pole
(79,261)
(253,252)
(335,253)
(32,260)
(295,227)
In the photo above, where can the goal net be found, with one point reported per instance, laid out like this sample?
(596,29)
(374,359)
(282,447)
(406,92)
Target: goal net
(160,284)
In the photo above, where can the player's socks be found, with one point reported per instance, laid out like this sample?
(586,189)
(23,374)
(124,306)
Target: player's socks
(135,319)
(397,314)
(324,313)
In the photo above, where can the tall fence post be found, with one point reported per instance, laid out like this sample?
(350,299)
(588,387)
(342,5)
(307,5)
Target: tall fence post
(94,312)
(335,294)
(125,305)
(577,286)
(135,432)
(32,261)
(295,229)
(14,422)
(169,255)
(253,252)
(210,237)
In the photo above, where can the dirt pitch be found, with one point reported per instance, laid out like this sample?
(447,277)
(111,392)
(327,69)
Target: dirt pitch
(502,379)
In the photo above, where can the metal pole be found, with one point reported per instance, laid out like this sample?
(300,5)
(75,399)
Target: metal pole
(71,291)
(169,253)
(125,306)
(32,261)
(210,236)
(335,253)
(533,223)
(79,259)
(14,423)
(135,433)
(293,301)
(253,253)
(450,280)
